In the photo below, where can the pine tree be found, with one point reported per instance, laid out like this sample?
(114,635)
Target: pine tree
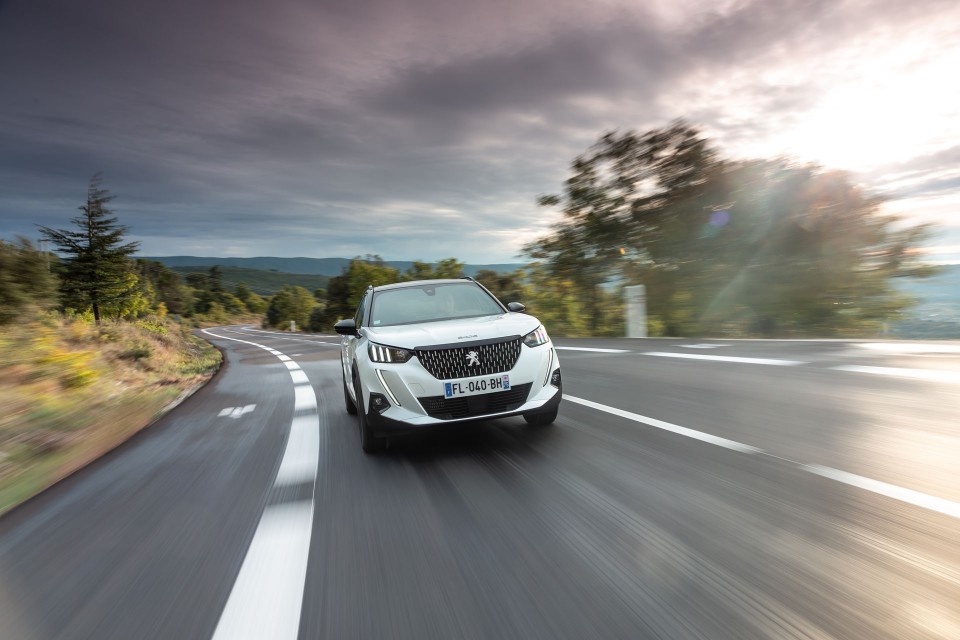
(96,267)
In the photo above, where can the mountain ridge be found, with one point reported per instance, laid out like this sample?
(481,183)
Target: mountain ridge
(308,266)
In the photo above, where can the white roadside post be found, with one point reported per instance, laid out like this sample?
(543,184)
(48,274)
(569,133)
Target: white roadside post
(293,326)
(636,298)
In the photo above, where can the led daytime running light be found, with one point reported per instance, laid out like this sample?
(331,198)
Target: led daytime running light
(536,337)
(380,353)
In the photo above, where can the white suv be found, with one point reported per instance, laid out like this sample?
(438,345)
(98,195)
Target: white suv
(434,352)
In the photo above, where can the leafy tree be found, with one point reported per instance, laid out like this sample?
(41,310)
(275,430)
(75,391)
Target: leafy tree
(169,289)
(508,287)
(762,246)
(96,268)
(290,303)
(448,268)
(25,279)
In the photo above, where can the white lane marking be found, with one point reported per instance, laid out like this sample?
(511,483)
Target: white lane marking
(916,498)
(236,412)
(910,496)
(931,375)
(267,595)
(284,358)
(299,377)
(667,426)
(266,599)
(304,398)
(591,349)
(697,356)
(910,347)
(291,365)
(702,346)
(302,455)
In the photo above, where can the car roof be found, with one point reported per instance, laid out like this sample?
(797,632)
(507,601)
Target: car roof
(415,283)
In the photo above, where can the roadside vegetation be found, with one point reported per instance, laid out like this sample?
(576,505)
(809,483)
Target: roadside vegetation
(72,389)
(94,344)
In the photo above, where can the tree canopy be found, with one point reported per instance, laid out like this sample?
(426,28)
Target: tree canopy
(95,270)
(726,246)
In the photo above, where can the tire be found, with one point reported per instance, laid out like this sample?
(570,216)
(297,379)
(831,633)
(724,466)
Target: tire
(541,418)
(348,401)
(368,441)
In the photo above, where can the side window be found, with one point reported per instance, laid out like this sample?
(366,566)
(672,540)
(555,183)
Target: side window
(358,319)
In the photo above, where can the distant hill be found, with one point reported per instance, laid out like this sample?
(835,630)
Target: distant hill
(937,313)
(260,281)
(311,266)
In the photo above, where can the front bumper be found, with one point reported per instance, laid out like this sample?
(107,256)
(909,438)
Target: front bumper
(408,387)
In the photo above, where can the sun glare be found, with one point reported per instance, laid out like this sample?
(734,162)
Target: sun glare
(902,109)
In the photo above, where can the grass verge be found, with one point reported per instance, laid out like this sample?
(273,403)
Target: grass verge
(71,391)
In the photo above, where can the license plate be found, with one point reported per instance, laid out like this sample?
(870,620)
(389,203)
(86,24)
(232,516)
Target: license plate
(476,386)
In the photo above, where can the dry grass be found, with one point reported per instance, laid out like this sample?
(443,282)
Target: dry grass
(70,390)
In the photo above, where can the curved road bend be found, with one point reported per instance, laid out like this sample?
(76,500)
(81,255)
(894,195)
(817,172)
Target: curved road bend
(689,489)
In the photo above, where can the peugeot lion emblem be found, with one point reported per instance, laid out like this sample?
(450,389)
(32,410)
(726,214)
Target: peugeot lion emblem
(473,358)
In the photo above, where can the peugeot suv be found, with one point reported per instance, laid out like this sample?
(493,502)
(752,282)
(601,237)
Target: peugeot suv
(439,352)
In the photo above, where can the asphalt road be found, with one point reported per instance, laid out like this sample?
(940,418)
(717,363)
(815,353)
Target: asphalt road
(689,489)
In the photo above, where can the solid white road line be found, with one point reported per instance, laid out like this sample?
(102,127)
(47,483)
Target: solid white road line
(929,375)
(910,347)
(266,598)
(909,496)
(591,349)
(697,356)
(666,426)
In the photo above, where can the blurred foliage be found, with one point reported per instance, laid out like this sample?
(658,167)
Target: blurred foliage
(344,291)
(71,389)
(758,247)
(25,279)
(290,304)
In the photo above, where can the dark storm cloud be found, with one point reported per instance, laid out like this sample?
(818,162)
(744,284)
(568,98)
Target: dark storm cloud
(341,128)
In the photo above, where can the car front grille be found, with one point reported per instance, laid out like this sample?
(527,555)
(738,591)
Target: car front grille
(474,406)
(455,362)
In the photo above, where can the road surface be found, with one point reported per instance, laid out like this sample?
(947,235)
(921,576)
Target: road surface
(689,489)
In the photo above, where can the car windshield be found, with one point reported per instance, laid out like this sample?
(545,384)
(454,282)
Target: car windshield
(431,303)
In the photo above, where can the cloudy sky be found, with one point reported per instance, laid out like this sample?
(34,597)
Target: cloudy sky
(426,128)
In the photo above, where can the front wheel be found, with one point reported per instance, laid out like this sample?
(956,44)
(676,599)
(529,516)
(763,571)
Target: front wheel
(541,418)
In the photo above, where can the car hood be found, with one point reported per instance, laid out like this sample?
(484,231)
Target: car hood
(451,332)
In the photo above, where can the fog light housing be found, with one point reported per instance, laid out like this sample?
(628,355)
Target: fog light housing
(379,402)
(555,378)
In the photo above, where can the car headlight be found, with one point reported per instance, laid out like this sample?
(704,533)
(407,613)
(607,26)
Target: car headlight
(380,353)
(536,337)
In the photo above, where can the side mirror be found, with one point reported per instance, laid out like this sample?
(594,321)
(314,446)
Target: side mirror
(346,327)
(516,307)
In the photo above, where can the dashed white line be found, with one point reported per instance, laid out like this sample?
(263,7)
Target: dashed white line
(301,457)
(267,596)
(910,496)
(299,377)
(304,398)
(929,375)
(902,494)
(666,426)
(697,356)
